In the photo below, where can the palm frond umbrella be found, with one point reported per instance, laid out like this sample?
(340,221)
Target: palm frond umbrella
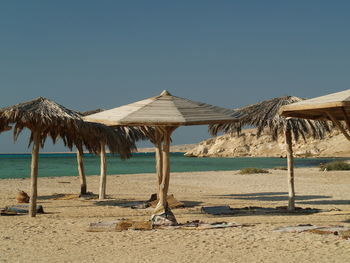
(165,113)
(129,134)
(45,118)
(265,115)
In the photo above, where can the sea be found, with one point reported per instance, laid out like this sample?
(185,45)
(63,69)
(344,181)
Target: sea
(65,164)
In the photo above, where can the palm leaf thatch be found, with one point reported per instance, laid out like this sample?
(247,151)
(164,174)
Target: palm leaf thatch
(55,121)
(265,115)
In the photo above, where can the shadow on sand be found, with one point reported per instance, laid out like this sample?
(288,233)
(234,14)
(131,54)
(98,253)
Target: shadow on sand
(270,196)
(138,204)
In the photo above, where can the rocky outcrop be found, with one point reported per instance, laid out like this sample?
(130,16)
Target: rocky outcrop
(248,144)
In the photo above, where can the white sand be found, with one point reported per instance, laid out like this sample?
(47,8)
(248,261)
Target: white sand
(60,234)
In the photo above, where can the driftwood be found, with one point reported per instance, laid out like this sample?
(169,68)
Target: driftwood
(21,209)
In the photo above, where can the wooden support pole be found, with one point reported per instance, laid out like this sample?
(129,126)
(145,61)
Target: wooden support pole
(166,160)
(338,124)
(164,186)
(34,174)
(346,118)
(290,163)
(159,156)
(81,170)
(103,174)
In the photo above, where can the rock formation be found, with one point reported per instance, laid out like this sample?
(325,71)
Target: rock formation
(248,144)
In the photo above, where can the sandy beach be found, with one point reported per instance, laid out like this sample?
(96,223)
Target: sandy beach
(60,235)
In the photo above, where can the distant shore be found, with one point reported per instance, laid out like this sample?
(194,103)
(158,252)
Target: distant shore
(174,148)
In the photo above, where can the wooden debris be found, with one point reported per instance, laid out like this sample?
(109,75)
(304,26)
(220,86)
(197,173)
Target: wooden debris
(133,225)
(20,209)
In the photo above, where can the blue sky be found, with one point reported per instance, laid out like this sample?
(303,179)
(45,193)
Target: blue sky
(103,54)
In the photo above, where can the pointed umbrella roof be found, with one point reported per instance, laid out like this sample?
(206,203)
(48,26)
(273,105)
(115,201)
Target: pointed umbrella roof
(163,110)
(337,103)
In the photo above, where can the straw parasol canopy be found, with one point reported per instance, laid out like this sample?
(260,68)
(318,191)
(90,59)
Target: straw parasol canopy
(163,110)
(133,134)
(265,115)
(165,113)
(45,118)
(334,107)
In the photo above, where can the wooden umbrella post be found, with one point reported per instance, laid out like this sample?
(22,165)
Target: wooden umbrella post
(163,188)
(166,162)
(34,174)
(162,214)
(159,156)
(103,175)
(290,163)
(81,170)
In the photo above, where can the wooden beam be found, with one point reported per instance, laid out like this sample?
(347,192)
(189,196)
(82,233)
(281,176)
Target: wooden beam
(159,156)
(164,186)
(81,170)
(103,174)
(338,124)
(34,174)
(346,118)
(167,142)
(290,164)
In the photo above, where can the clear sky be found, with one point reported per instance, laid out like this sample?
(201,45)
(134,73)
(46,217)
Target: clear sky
(103,54)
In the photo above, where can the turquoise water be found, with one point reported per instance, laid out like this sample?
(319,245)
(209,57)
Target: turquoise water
(18,165)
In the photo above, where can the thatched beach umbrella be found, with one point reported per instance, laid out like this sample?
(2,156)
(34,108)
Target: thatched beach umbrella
(165,113)
(265,115)
(334,107)
(45,118)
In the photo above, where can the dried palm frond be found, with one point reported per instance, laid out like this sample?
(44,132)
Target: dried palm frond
(55,121)
(264,115)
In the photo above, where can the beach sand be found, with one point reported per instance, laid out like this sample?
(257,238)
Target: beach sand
(60,235)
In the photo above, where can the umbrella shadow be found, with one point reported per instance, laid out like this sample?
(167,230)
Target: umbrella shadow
(191,204)
(326,202)
(119,202)
(138,203)
(50,197)
(270,196)
(68,196)
(226,211)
